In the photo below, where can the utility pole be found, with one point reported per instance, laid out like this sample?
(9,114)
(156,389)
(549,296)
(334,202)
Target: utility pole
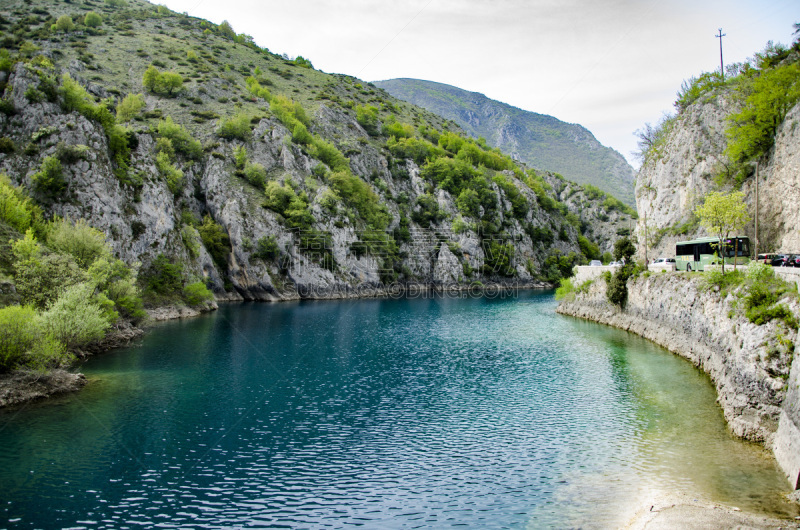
(721,64)
(755,250)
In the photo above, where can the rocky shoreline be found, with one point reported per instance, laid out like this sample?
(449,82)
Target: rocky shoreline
(751,366)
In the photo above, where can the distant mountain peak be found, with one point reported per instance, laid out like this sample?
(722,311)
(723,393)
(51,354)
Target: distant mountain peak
(539,140)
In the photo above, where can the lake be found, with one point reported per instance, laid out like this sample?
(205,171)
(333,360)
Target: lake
(428,412)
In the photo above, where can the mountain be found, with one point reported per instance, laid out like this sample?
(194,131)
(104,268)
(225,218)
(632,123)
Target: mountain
(203,158)
(539,140)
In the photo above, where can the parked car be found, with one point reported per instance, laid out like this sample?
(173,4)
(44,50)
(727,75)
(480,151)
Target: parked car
(664,264)
(781,260)
(766,258)
(794,261)
(595,263)
(615,264)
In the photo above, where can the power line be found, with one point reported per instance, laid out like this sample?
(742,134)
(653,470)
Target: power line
(721,64)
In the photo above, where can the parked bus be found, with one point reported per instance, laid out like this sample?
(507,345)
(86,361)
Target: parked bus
(696,254)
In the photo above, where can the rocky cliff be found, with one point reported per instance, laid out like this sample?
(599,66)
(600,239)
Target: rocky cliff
(354,208)
(687,164)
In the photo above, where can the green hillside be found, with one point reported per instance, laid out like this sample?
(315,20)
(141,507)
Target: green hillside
(540,141)
(154,161)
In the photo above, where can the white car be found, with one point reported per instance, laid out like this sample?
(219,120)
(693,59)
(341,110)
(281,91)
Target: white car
(663,264)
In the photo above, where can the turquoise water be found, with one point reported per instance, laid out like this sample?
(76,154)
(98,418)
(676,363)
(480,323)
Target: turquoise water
(382,413)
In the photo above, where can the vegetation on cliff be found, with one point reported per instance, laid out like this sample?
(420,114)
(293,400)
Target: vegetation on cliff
(69,290)
(539,140)
(153,158)
(763,89)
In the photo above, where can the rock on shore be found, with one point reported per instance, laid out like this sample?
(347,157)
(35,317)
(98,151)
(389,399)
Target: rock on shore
(22,386)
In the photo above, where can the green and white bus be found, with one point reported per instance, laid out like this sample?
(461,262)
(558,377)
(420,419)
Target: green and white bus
(696,254)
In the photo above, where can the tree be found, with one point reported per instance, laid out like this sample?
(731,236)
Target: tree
(226,30)
(722,214)
(624,250)
(129,107)
(171,82)
(157,82)
(150,78)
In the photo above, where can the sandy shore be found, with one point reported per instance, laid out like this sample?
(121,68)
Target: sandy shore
(671,511)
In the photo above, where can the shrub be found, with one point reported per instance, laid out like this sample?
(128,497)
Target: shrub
(191,240)
(172,175)
(358,194)
(15,208)
(588,249)
(427,211)
(163,276)
(329,155)
(240,156)
(40,280)
(255,174)
(92,20)
(235,128)
(397,129)
(197,293)
(64,23)
(163,83)
(300,135)
(498,258)
(180,138)
(75,319)
(26,248)
(449,174)
(216,241)
(49,180)
(117,281)
(18,333)
(519,204)
(565,288)
(80,240)
(23,342)
(413,148)
(283,200)
(69,154)
(617,288)
(766,99)
(7,145)
(367,117)
(723,282)
(267,248)
(469,203)
(75,98)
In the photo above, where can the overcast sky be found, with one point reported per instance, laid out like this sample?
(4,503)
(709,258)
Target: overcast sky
(609,65)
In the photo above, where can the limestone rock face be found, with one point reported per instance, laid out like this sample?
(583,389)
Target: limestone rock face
(671,183)
(779,190)
(144,220)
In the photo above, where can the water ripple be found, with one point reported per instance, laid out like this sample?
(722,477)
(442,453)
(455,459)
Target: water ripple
(385,414)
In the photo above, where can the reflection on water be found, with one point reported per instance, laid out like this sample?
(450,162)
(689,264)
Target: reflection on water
(393,413)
